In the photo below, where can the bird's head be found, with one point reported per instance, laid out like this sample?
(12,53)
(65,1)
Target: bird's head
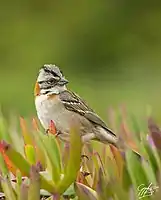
(50,80)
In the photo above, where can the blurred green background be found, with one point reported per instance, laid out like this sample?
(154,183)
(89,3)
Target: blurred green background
(109,50)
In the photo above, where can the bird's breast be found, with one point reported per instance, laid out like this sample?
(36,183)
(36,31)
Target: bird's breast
(51,108)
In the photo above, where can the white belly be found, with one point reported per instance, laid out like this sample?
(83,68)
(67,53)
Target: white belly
(51,109)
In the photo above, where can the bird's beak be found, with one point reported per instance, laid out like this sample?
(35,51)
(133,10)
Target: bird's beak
(63,81)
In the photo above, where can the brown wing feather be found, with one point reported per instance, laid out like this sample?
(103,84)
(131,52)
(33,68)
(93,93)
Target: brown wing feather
(74,103)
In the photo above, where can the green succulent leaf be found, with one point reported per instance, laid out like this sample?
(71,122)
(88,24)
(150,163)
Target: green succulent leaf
(135,169)
(23,192)
(3,167)
(73,164)
(7,188)
(70,192)
(50,147)
(30,154)
(34,187)
(85,193)
(16,158)
(47,184)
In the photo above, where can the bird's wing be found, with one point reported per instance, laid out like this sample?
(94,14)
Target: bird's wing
(74,103)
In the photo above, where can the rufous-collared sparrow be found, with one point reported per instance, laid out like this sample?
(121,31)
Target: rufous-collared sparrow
(54,102)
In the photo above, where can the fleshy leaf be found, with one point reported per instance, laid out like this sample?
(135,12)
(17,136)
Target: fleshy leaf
(40,156)
(7,188)
(47,184)
(26,135)
(85,193)
(155,133)
(35,124)
(16,158)
(70,192)
(23,192)
(5,161)
(135,169)
(71,169)
(50,146)
(119,160)
(3,166)
(34,187)
(30,153)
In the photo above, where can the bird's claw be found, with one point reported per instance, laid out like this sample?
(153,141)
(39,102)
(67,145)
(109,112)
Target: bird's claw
(58,133)
(84,156)
(47,131)
(85,174)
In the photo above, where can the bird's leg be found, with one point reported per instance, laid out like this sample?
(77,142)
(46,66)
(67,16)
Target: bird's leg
(82,170)
(47,131)
(84,159)
(85,174)
(84,156)
(85,139)
(58,133)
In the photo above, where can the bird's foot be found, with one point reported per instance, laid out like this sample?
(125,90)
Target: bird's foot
(47,131)
(84,159)
(85,174)
(84,156)
(58,133)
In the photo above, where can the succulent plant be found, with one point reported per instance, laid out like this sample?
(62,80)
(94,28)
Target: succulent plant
(36,166)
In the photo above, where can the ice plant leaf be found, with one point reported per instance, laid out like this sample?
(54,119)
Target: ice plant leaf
(26,135)
(7,188)
(149,171)
(155,133)
(153,157)
(23,192)
(98,162)
(5,161)
(16,158)
(101,186)
(35,124)
(119,160)
(135,169)
(73,164)
(3,165)
(70,192)
(95,178)
(34,187)
(84,192)
(30,153)
(47,185)
(50,147)
(40,156)
(65,154)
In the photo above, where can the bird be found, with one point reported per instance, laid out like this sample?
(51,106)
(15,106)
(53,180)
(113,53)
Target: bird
(55,102)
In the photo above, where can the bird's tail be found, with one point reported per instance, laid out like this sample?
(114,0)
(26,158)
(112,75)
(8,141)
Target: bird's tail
(122,145)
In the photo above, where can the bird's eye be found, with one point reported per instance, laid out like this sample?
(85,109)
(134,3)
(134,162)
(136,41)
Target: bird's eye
(50,81)
(54,74)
